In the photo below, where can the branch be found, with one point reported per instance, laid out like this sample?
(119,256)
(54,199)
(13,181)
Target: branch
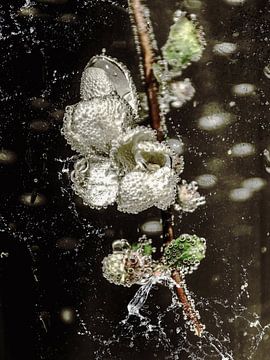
(152,85)
(148,61)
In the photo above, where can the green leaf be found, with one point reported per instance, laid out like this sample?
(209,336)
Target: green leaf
(185,44)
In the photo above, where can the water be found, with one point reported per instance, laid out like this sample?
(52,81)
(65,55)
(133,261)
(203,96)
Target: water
(52,246)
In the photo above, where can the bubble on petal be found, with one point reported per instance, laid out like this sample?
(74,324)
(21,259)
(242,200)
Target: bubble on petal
(140,190)
(119,76)
(94,83)
(176,145)
(188,198)
(122,151)
(91,126)
(95,183)
(129,265)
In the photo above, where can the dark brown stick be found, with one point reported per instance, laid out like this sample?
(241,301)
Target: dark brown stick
(151,85)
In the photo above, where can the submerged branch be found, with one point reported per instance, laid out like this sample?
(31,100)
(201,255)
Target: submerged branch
(151,85)
(148,60)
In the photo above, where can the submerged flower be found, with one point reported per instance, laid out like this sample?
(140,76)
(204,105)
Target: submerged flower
(129,265)
(188,198)
(122,163)
(139,174)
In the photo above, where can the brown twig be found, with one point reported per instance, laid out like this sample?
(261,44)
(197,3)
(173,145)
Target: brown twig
(148,61)
(152,85)
(187,308)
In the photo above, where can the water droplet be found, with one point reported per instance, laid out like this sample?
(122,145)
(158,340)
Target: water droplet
(206,181)
(39,125)
(225,48)
(214,121)
(240,194)
(27,199)
(67,315)
(66,243)
(242,150)
(244,89)
(235,2)
(7,157)
(176,145)
(254,184)
(152,227)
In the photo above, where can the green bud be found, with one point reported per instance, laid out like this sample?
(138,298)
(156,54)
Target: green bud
(185,252)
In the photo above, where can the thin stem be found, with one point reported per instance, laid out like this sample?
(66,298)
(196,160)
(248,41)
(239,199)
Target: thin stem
(148,61)
(151,86)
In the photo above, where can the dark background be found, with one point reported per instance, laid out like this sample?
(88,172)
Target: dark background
(55,244)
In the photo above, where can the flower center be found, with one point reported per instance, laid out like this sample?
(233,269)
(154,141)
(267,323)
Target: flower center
(151,156)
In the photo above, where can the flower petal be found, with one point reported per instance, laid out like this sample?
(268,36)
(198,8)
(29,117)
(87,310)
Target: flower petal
(95,82)
(90,126)
(122,152)
(120,77)
(140,190)
(95,183)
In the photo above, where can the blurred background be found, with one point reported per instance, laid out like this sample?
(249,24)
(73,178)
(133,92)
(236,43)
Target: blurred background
(54,302)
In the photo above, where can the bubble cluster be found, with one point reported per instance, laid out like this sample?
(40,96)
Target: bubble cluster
(185,252)
(188,197)
(129,265)
(95,83)
(91,125)
(96,183)
(185,43)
